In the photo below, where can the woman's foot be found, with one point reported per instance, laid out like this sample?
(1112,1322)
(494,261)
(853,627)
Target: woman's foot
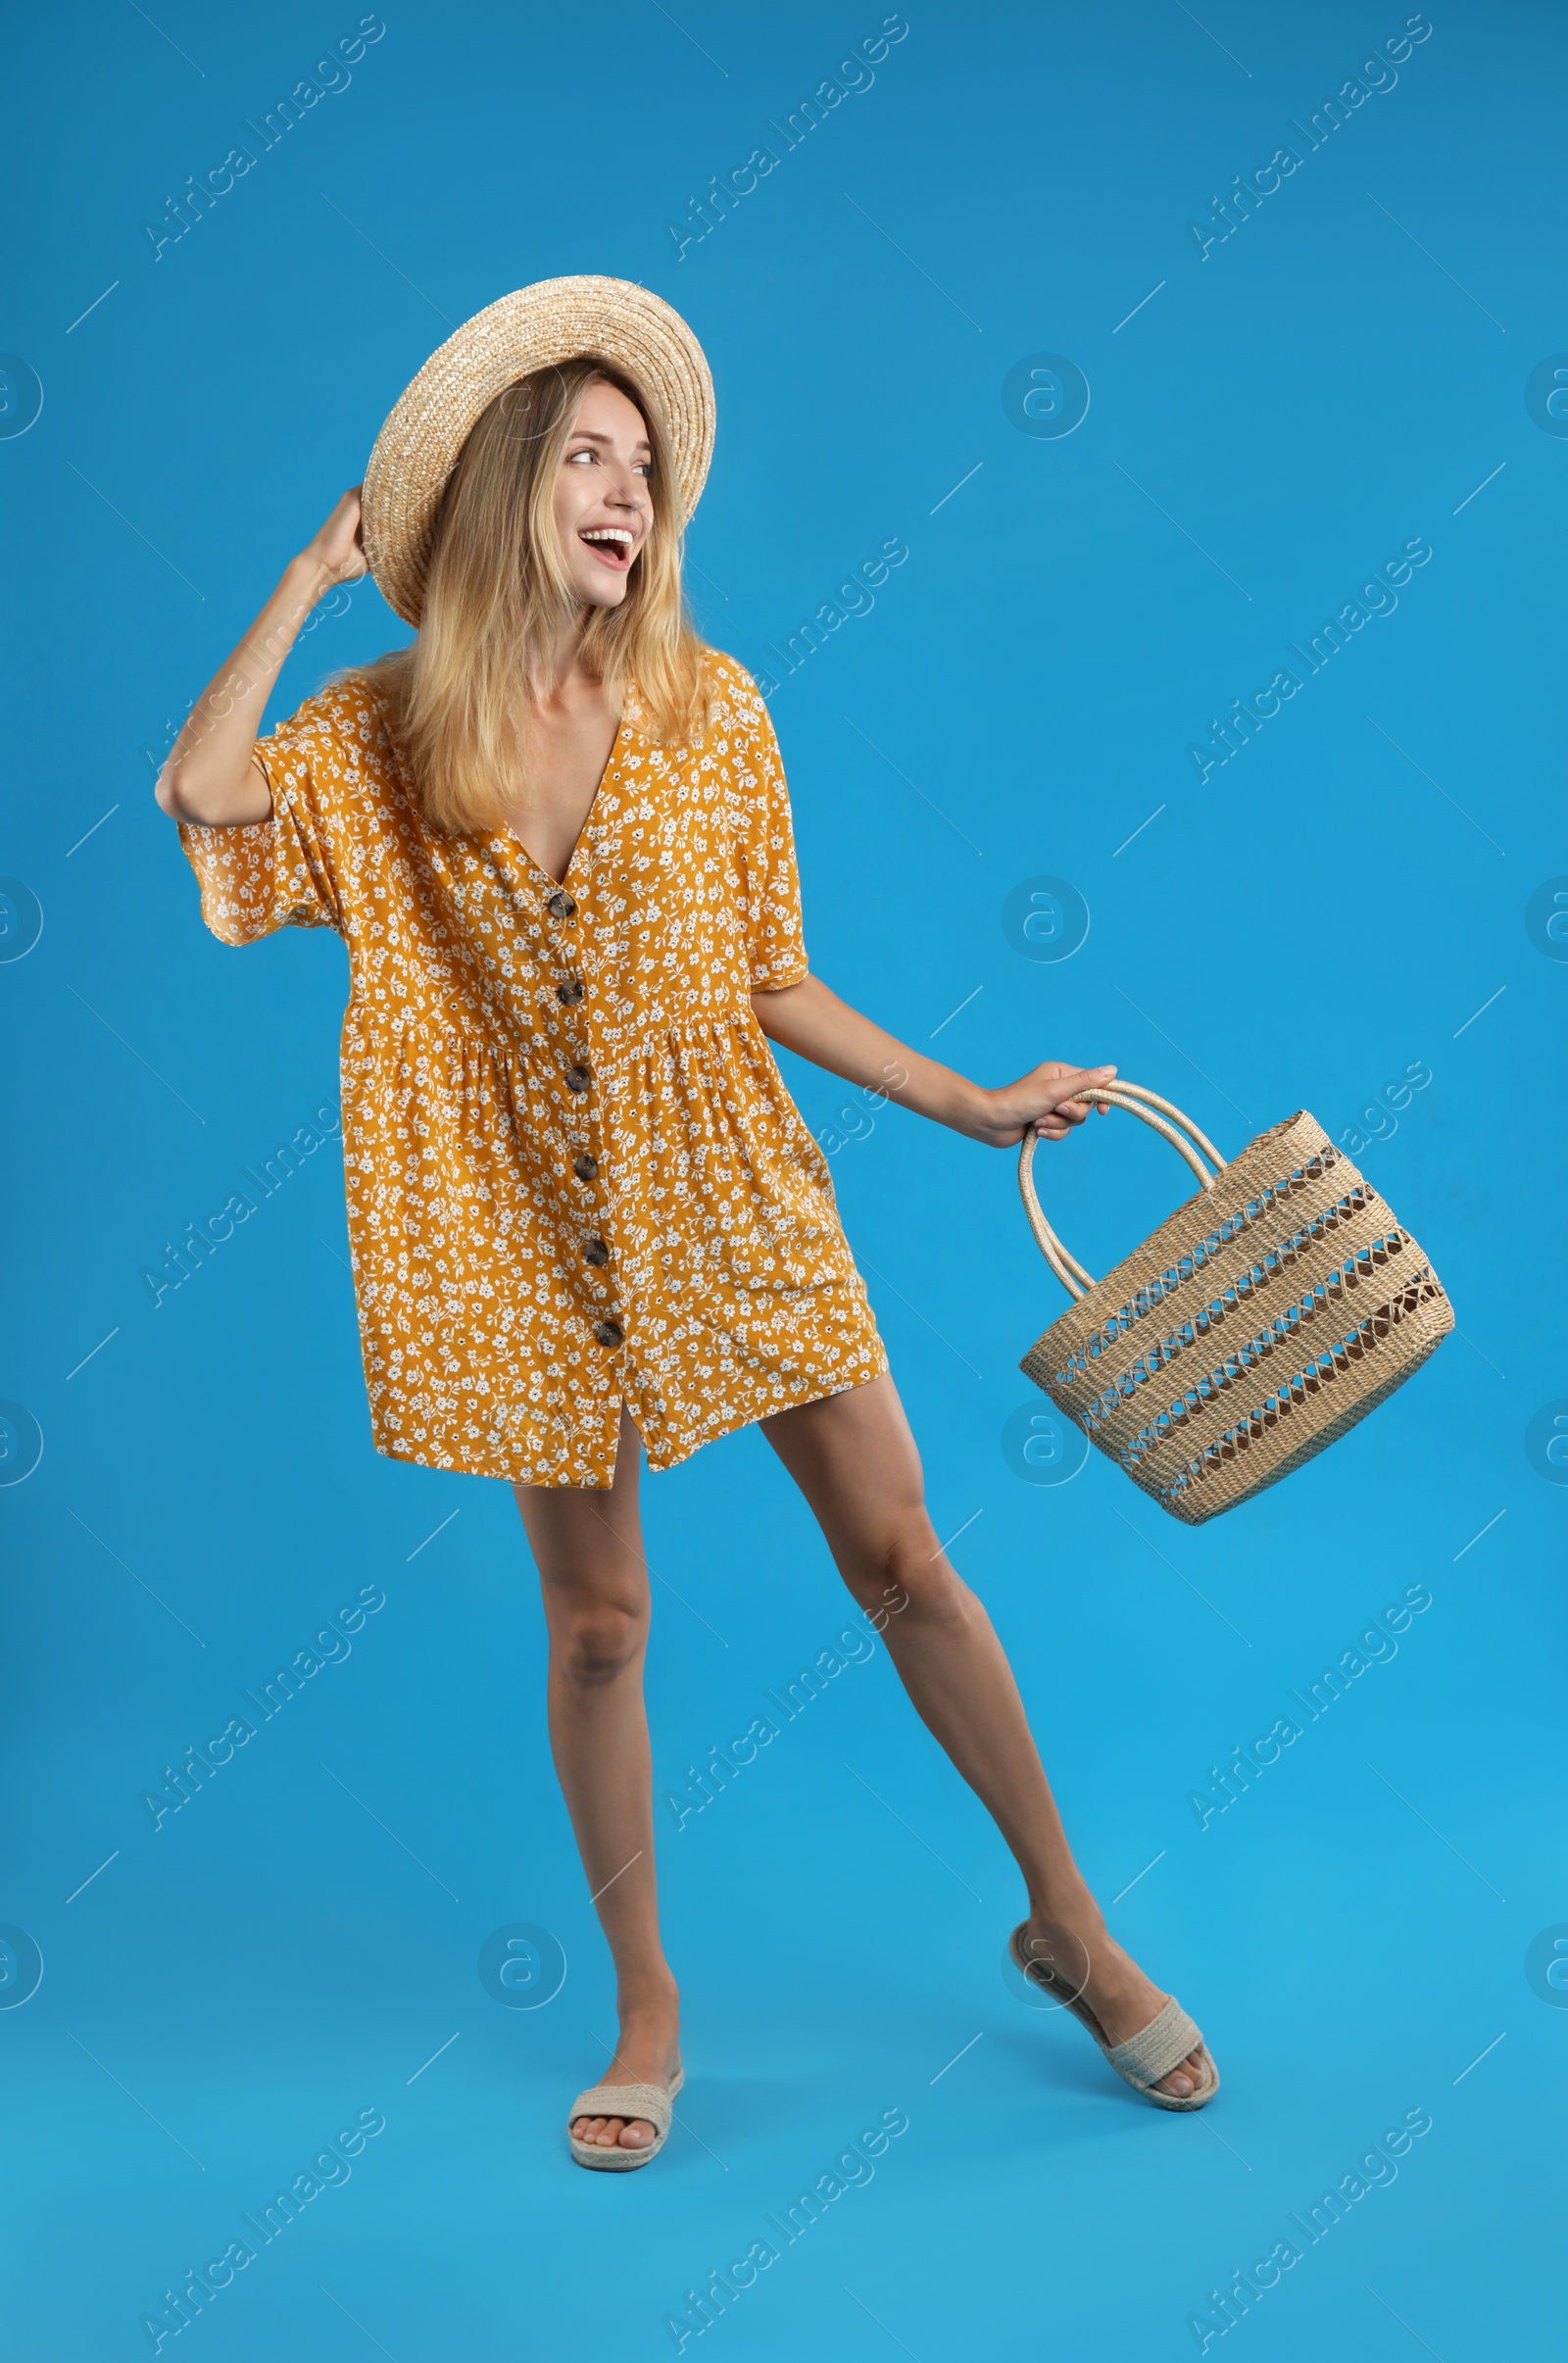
(1079,1959)
(648,2053)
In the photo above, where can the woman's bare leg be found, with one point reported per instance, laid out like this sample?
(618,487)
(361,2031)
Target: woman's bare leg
(589,1550)
(855,1459)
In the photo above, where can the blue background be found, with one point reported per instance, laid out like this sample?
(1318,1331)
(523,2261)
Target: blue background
(1338,376)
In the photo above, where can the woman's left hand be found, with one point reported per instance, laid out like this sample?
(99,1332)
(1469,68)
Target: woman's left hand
(811,1020)
(1042,1097)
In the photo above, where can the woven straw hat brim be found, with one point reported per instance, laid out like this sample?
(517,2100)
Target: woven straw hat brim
(553,320)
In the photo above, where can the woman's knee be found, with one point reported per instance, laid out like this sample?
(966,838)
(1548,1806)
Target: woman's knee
(594,1637)
(912,1576)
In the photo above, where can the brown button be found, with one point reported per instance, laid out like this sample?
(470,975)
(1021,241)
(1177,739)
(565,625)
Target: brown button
(560,905)
(595,1252)
(585,1167)
(571,993)
(577,1078)
(608,1333)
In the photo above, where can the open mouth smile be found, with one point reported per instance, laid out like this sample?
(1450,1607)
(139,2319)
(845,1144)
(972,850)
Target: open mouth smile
(613,545)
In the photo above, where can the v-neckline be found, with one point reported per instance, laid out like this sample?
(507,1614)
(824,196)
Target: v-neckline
(510,836)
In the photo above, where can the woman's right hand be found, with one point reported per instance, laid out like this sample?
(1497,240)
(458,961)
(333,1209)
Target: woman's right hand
(336,552)
(212,776)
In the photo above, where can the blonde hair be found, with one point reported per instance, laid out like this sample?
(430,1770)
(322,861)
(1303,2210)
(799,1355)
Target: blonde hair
(496,592)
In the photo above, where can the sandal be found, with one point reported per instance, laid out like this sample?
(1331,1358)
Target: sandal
(649,2102)
(1145,2057)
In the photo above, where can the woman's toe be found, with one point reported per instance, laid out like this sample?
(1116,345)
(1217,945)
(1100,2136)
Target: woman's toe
(1183,2081)
(606,2133)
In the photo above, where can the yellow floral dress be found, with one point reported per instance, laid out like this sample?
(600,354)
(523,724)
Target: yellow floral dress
(576,1178)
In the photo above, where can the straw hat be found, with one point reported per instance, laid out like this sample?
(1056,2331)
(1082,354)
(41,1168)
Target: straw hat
(553,321)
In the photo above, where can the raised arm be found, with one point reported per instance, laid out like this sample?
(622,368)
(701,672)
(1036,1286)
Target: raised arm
(814,1022)
(210,776)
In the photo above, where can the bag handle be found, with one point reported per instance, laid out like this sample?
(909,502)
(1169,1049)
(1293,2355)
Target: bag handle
(1182,1133)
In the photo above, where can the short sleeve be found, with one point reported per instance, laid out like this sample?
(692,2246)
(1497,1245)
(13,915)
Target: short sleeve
(286,872)
(770,886)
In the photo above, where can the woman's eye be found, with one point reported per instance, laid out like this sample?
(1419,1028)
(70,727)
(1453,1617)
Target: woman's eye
(587,453)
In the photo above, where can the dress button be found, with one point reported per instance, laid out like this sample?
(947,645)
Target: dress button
(608,1333)
(585,1167)
(577,1078)
(570,992)
(560,905)
(595,1252)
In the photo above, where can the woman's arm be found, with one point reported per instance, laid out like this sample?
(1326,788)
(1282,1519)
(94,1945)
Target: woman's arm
(814,1024)
(210,776)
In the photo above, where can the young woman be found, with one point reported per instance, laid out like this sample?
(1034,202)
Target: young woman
(586,1217)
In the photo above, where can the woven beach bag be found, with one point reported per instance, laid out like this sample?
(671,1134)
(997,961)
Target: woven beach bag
(1259,1322)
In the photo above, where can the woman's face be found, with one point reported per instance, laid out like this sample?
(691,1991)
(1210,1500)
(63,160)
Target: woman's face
(603,508)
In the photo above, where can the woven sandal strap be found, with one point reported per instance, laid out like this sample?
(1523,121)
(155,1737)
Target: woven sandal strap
(1145,2057)
(648,2100)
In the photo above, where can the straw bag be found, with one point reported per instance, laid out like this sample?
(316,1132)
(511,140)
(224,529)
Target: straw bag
(1262,1319)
